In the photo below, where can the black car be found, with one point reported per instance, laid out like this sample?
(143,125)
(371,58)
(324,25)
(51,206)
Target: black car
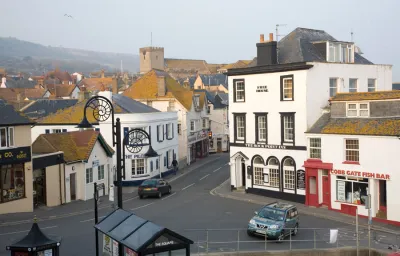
(154,187)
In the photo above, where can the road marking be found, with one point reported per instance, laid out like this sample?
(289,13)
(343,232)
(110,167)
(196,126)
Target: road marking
(130,199)
(226,163)
(169,196)
(205,177)
(24,231)
(142,206)
(188,186)
(92,219)
(217,169)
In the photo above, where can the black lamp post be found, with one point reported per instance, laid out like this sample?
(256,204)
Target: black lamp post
(134,140)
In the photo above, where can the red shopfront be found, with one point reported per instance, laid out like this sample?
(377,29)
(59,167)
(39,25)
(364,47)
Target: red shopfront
(318,189)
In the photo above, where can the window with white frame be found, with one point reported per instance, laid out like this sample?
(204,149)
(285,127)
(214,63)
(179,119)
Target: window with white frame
(57,130)
(258,164)
(240,128)
(170,156)
(340,52)
(371,84)
(289,174)
(357,109)
(352,150)
(353,85)
(352,190)
(239,90)
(315,148)
(288,128)
(89,175)
(169,131)
(273,168)
(288,89)
(101,172)
(333,86)
(138,166)
(6,137)
(262,128)
(160,133)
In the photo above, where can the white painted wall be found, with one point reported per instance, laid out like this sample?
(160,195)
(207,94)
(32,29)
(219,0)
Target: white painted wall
(78,76)
(318,83)
(77,168)
(219,126)
(383,161)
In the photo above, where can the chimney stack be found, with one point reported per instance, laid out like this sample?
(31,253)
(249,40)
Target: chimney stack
(114,86)
(161,86)
(267,52)
(261,38)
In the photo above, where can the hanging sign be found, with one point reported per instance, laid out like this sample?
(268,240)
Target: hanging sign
(301,180)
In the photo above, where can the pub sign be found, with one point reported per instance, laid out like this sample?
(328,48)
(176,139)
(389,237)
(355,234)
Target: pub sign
(15,155)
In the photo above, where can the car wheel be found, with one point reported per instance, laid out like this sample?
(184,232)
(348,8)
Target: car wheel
(141,196)
(295,230)
(159,195)
(281,237)
(169,190)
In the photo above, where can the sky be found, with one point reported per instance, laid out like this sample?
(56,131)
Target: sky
(218,31)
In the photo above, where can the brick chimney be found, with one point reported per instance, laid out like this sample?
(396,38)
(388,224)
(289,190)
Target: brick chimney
(271,37)
(161,86)
(114,86)
(261,38)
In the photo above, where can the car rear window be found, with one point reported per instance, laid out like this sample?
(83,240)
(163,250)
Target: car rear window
(149,183)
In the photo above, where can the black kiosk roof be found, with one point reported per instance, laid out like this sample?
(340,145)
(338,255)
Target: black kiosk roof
(35,240)
(140,235)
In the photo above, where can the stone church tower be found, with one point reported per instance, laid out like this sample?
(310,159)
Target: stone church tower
(151,57)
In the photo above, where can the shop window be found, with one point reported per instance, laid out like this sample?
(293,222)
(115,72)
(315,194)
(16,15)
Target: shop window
(315,148)
(101,172)
(12,182)
(89,175)
(352,150)
(273,169)
(6,137)
(351,190)
(138,167)
(312,185)
(289,173)
(258,164)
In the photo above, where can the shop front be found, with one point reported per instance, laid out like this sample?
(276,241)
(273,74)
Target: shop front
(15,177)
(198,146)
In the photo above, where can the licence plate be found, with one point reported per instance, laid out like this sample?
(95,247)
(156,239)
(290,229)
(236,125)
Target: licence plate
(147,189)
(261,231)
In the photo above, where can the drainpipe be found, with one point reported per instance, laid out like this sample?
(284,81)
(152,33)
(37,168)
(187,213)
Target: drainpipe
(59,171)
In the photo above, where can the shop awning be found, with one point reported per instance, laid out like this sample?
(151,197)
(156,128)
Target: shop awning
(140,235)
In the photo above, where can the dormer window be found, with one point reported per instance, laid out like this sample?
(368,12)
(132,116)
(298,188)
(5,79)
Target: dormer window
(340,52)
(196,101)
(357,109)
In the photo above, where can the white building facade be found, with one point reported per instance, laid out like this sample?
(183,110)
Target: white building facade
(272,105)
(219,124)
(351,153)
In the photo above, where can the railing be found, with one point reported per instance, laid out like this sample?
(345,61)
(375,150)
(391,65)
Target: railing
(236,240)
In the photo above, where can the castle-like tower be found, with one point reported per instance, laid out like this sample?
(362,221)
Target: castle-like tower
(151,58)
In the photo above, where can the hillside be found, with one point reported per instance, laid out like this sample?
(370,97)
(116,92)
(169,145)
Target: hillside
(23,56)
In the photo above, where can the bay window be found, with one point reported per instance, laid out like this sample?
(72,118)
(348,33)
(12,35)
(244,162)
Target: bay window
(138,167)
(12,182)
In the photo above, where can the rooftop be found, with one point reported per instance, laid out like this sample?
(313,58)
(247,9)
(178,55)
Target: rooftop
(61,90)
(44,107)
(77,146)
(355,96)
(9,116)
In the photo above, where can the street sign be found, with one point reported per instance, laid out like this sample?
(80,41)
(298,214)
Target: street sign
(111,193)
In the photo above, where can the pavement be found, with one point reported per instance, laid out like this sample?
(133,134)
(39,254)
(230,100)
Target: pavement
(190,210)
(224,190)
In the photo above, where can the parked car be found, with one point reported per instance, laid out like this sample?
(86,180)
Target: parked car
(154,187)
(275,220)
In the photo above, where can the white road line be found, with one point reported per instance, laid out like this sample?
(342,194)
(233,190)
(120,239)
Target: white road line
(205,177)
(217,169)
(142,206)
(24,231)
(188,186)
(92,219)
(226,163)
(130,199)
(169,196)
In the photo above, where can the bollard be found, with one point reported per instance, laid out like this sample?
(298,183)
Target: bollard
(315,242)
(207,243)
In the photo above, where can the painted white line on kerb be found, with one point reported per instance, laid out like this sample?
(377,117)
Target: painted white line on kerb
(205,177)
(188,186)
(91,219)
(24,231)
(217,169)
(142,206)
(169,196)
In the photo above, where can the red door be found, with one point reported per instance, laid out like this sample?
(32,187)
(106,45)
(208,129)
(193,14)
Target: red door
(325,190)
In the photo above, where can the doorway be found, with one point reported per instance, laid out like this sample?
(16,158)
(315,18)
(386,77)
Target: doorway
(382,195)
(72,186)
(325,190)
(219,145)
(243,174)
(39,187)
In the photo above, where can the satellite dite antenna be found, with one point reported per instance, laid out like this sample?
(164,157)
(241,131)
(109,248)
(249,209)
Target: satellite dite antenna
(352,34)
(277,31)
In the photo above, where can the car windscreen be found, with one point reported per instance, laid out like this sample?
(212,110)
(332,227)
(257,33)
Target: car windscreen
(149,183)
(272,214)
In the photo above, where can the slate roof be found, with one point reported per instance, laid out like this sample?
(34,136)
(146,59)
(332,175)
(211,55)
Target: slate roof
(147,88)
(44,107)
(222,100)
(20,83)
(356,96)
(77,145)
(216,79)
(356,126)
(9,116)
(209,95)
(132,106)
(11,94)
(61,90)
(396,86)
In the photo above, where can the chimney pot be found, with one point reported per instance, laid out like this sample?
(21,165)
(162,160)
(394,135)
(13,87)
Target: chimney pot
(271,37)
(261,38)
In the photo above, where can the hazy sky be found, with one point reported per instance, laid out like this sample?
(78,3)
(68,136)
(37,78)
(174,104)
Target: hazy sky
(219,31)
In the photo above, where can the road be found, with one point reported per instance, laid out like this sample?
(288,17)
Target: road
(190,206)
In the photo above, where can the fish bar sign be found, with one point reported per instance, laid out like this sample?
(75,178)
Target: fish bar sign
(371,175)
